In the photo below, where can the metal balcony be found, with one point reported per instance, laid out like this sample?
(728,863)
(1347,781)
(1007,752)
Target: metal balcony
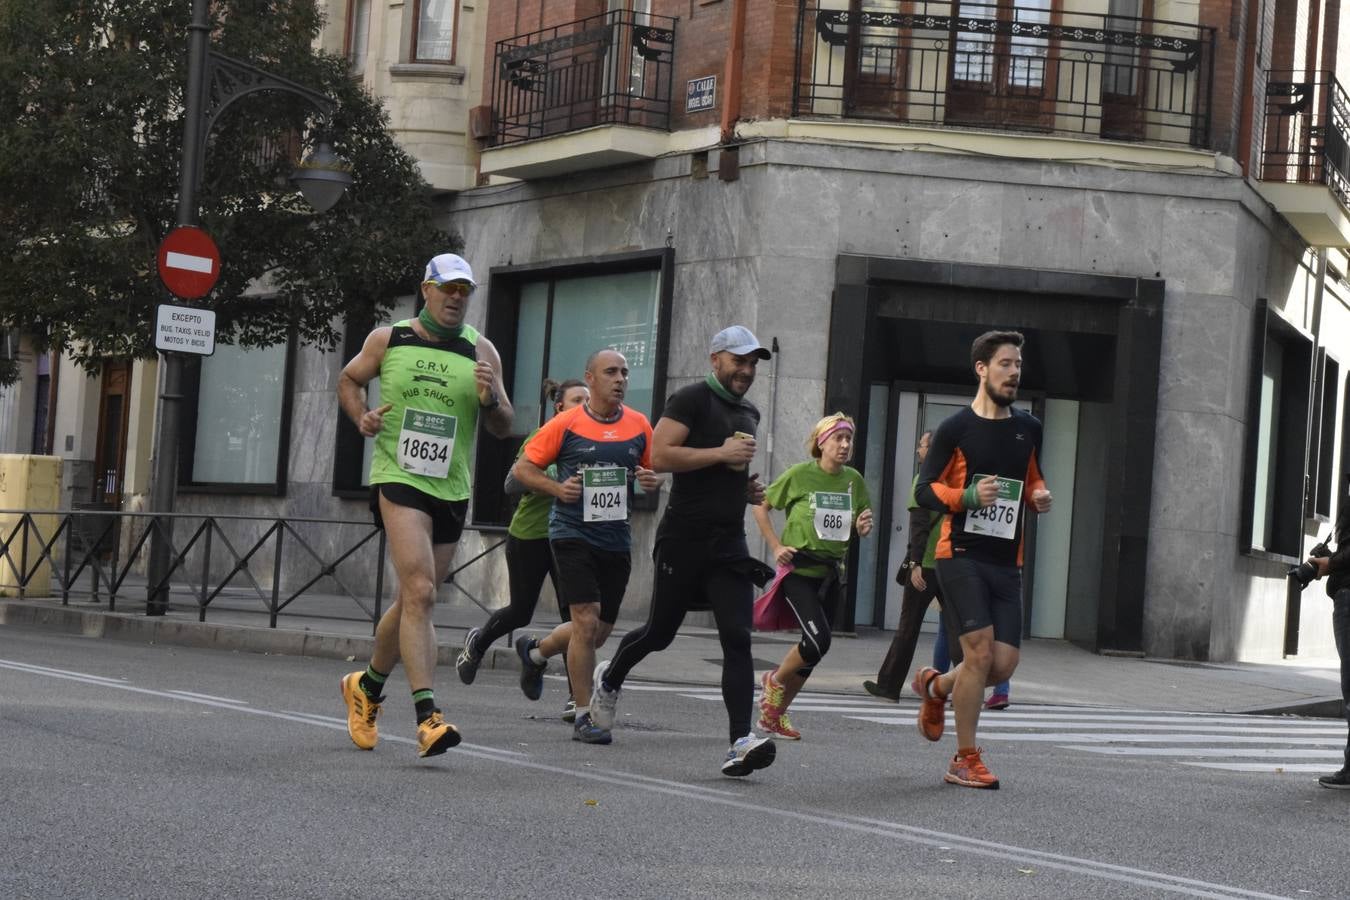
(610,69)
(1017,68)
(1305,158)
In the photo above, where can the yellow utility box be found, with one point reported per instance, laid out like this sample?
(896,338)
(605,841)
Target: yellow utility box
(28,482)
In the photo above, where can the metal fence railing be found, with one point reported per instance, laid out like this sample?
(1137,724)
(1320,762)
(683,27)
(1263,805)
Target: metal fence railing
(1017,67)
(275,560)
(1307,131)
(613,68)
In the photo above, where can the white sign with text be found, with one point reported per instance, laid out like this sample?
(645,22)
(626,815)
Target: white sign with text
(183,329)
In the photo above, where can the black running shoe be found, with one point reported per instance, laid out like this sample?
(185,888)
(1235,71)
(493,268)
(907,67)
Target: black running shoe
(1339,781)
(531,673)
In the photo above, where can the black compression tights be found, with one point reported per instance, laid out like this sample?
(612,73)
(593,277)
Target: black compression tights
(731,596)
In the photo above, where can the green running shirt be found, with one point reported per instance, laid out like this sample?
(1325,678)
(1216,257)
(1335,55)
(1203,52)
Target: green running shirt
(820,508)
(530,522)
(428,434)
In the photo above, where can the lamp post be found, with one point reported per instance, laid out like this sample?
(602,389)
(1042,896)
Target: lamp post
(214,82)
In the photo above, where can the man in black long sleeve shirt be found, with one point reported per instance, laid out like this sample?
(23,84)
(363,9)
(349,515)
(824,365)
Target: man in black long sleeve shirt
(1337,566)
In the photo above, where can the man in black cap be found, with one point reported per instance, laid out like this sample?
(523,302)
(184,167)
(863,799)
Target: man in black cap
(706,436)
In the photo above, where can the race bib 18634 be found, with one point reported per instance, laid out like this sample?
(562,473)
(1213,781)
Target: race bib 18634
(999,520)
(604,494)
(834,516)
(426,443)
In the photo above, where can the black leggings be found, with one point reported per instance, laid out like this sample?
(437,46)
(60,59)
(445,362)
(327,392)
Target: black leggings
(687,578)
(527,563)
(815,615)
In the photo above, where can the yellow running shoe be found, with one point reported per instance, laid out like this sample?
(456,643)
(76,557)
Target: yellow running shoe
(362,712)
(435,735)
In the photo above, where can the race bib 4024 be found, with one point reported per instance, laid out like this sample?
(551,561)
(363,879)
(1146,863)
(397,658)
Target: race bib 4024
(999,520)
(604,494)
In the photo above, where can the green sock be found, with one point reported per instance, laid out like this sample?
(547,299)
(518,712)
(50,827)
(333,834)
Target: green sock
(425,702)
(372,682)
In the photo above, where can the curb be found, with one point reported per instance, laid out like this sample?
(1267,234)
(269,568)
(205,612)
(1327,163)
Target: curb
(236,638)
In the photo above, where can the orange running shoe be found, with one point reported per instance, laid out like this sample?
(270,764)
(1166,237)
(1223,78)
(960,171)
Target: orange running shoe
(968,770)
(362,711)
(932,712)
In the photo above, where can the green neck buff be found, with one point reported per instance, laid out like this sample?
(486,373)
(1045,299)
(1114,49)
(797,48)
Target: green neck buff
(720,390)
(436,329)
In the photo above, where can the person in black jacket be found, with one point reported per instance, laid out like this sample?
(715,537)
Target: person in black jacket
(1337,566)
(920,585)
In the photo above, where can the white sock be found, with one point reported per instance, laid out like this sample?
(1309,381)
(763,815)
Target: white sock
(536,657)
(583,711)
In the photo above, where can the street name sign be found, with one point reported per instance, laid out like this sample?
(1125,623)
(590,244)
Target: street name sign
(189,262)
(185,330)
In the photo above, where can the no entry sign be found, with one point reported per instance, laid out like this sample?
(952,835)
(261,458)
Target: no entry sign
(189,262)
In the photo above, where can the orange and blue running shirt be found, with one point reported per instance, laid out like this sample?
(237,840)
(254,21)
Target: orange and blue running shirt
(965,448)
(575,439)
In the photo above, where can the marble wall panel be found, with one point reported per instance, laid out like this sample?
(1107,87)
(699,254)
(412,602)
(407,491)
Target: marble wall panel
(796,212)
(1042,227)
(1195,468)
(1183,574)
(314,418)
(962,221)
(708,296)
(1201,242)
(884,214)
(716,219)
(795,299)
(1121,234)
(1203,336)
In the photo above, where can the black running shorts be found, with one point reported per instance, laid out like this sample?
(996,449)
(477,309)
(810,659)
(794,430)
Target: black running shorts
(587,574)
(978,594)
(447,516)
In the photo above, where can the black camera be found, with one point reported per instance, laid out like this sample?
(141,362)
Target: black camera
(1305,573)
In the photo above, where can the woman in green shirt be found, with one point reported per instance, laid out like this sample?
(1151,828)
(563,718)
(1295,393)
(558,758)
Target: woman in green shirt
(824,501)
(528,558)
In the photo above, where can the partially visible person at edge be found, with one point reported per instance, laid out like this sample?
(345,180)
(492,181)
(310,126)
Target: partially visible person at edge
(706,436)
(438,377)
(824,500)
(600,449)
(983,470)
(1337,566)
(919,589)
(528,558)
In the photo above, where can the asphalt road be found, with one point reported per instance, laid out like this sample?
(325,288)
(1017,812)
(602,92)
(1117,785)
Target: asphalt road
(152,771)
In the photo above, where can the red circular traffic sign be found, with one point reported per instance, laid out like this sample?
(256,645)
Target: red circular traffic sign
(189,262)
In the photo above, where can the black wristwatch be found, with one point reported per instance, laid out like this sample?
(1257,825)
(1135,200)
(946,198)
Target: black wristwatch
(491,404)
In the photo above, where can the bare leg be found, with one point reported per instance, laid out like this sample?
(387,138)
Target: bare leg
(581,649)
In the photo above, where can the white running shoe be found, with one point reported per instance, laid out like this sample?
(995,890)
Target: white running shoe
(603,700)
(748,754)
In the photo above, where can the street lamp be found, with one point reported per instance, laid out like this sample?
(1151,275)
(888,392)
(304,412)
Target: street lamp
(214,82)
(323,177)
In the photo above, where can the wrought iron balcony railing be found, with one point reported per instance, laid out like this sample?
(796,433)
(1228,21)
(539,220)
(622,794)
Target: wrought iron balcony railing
(610,69)
(1307,137)
(1005,67)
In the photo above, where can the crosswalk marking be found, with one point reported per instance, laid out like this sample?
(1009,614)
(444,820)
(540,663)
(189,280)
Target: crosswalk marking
(1242,744)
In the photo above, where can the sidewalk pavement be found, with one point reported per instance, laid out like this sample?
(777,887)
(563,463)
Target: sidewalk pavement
(1051,672)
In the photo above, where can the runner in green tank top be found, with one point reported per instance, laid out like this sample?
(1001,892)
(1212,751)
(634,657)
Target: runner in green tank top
(437,375)
(528,557)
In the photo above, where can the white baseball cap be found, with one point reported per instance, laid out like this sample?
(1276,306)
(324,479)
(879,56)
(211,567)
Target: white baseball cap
(448,267)
(739,340)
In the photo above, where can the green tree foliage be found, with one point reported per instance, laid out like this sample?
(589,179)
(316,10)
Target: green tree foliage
(91,126)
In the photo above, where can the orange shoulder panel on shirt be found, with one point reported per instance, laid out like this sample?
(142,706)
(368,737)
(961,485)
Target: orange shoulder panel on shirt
(543,448)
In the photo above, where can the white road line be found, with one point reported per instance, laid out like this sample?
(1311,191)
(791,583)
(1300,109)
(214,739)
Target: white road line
(1254,752)
(1100,717)
(47,670)
(1269,768)
(1142,878)
(986,725)
(206,696)
(1073,737)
